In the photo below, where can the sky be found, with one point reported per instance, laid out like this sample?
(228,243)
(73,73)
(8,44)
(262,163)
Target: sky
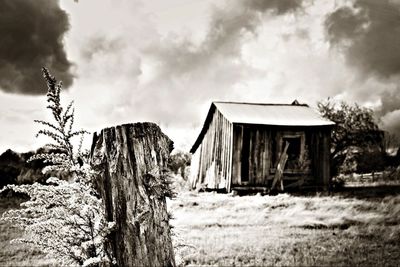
(124,61)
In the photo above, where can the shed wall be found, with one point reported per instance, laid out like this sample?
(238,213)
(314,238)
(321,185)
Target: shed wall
(214,166)
(220,159)
(320,149)
(264,145)
(258,157)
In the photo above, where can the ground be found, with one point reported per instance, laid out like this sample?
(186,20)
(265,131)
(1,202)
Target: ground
(286,230)
(16,254)
(347,229)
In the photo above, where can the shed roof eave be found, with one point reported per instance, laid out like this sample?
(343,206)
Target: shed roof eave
(271,114)
(262,114)
(285,125)
(204,129)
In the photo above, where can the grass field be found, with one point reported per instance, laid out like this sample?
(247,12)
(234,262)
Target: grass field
(282,230)
(285,230)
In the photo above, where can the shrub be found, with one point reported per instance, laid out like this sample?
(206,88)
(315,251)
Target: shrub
(63,218)
(178,163)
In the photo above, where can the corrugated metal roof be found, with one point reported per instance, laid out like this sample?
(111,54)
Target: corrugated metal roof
(271,114)
(263,114)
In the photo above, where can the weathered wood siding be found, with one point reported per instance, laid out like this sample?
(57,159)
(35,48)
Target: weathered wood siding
(240,155)
(194,168)
(264,146)
(214,155)
(258,155)
(320,149)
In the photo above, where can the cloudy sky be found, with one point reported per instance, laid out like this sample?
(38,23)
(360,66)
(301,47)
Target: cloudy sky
(165,61)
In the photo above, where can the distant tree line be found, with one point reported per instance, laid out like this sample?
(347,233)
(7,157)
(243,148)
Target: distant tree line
(15,168)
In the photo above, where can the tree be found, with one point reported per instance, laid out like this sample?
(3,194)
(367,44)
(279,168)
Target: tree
(355,128)
(178,162)
(63,218)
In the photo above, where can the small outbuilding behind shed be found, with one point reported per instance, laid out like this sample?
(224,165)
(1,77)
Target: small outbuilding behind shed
(241,144)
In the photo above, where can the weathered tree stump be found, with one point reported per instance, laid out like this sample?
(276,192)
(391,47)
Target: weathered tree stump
(129,162)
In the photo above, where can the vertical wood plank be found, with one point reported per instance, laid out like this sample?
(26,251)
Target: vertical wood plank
(230,158)
(237,149)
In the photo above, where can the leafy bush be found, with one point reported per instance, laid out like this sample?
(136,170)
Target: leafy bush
(355,128)
(178,163)
(370,161)
(63,218)
(338,183)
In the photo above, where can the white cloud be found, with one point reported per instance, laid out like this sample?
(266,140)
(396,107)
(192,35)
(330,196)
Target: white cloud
(391,121)
(151,62)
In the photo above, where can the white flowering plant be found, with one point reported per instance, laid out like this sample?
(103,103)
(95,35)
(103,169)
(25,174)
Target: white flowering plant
(64,219)
(61,132)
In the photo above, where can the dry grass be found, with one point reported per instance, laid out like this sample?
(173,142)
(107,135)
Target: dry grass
(286,230)
(283,230)
(12,254)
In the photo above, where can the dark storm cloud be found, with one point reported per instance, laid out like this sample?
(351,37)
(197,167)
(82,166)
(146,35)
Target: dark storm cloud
(277,6)
(369,34)
(32,37)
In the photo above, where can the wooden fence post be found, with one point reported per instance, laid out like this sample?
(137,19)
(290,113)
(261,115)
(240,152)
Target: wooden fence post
(129,161)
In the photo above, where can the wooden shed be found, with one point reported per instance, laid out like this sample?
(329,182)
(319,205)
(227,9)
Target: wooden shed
(241,144)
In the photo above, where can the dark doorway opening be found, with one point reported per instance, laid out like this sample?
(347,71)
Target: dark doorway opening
(293,151)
